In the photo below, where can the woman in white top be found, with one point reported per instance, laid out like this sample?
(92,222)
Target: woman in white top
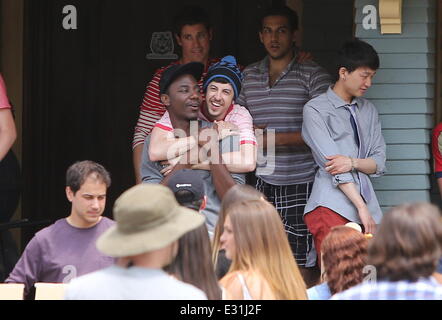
(239,192)
(263,266)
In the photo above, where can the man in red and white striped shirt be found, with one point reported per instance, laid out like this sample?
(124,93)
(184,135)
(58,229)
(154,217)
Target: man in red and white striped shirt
(193,33)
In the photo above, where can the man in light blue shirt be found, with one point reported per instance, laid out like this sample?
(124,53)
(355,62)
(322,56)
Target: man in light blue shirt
(344,133)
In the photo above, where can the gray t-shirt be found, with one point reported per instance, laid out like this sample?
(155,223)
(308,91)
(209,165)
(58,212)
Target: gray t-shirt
(135,283)
(59,253)
(150,173)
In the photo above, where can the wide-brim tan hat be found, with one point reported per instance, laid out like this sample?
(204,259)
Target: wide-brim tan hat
(148,218)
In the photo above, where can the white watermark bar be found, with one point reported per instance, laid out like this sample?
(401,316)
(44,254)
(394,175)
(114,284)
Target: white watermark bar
(210,140)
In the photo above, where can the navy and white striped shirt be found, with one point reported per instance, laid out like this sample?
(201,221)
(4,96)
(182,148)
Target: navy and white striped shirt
(280,108)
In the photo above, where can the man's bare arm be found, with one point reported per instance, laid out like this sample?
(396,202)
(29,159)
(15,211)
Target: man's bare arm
(339,164)
(439,183)
(8,132)
(349,189)
(136,158)
(236,162)
(221,177)
(287,139)
(163,145)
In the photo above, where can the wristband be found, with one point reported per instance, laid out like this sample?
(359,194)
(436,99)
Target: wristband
(352,164)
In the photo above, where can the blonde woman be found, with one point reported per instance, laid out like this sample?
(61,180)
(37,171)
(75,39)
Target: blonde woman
(263,266)
(239,192)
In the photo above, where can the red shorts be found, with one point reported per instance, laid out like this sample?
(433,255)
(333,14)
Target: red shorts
(319,222)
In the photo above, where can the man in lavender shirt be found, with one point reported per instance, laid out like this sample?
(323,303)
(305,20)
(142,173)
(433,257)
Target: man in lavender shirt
(66,249)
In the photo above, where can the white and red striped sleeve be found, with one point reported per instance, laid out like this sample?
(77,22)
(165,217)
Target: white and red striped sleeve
(241,117)
(165,123)
(151,109)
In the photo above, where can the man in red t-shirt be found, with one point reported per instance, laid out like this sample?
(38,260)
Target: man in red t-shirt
(193,33)
(437,154)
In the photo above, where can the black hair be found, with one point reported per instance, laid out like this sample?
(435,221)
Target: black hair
(190,15)
(355,54)
(220,80)
(284,11)
(187,199)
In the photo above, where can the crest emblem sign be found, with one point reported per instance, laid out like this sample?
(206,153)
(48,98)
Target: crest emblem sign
(162,47)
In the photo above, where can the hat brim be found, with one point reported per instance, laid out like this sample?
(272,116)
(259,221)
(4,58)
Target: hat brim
(114,243)
(195,69)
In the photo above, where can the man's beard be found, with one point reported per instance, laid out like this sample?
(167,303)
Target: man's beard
(281,55)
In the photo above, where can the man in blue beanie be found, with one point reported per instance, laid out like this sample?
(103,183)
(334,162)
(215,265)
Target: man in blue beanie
(181,95)
(221,86)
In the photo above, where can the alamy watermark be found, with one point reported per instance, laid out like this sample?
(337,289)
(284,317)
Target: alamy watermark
(370,274)
(214,143)
(161,43)
(370,20)
(70,19)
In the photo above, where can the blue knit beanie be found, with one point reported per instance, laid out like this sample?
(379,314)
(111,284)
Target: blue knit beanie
(227,69)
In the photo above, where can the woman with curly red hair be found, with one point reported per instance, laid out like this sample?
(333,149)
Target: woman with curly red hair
(404,253)
(344,256)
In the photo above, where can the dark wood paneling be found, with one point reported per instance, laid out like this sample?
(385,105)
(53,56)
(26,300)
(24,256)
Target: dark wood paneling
(83,87)
(326,25)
